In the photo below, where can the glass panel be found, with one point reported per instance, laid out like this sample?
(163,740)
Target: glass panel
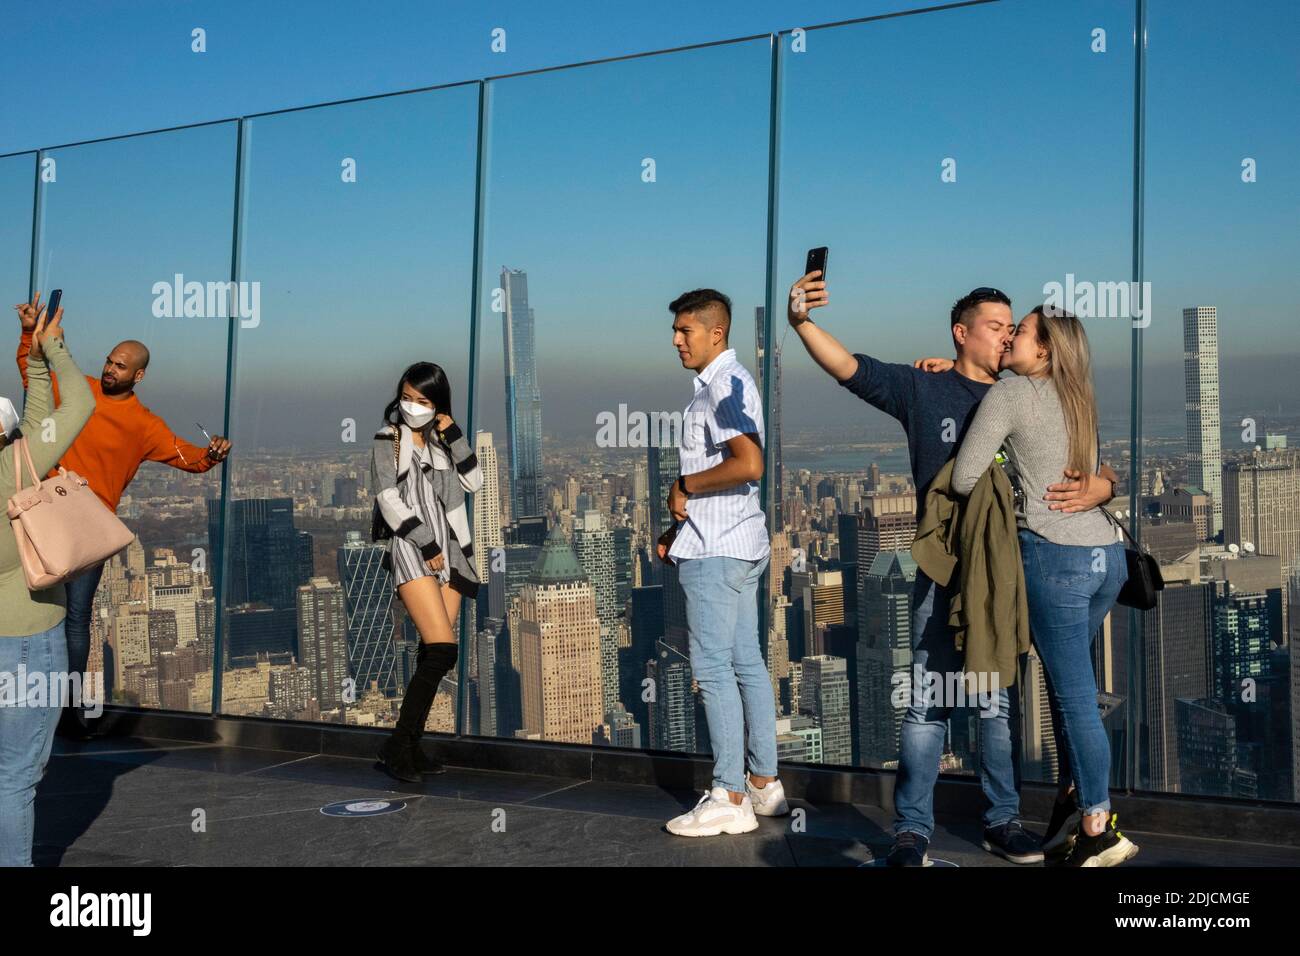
(612,189)
(356,231)
(17,190)
(123,223)
(933,154)
(1220,495)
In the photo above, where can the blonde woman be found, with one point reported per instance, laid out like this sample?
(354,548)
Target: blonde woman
(1045,418)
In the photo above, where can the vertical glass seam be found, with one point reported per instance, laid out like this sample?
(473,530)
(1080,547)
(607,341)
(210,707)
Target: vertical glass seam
(218,560)
(469,640)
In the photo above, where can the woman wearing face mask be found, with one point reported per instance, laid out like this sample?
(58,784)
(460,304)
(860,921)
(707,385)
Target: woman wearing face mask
(422,466)
(1045,418)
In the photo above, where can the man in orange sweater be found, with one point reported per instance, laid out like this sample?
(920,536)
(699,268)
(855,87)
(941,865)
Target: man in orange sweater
(121,435)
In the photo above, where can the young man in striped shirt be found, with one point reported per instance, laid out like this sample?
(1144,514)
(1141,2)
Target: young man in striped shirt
(720,545)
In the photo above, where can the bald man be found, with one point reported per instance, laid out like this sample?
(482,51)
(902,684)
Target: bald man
(121,435)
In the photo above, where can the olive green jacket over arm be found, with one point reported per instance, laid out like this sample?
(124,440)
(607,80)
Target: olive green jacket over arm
(972,543)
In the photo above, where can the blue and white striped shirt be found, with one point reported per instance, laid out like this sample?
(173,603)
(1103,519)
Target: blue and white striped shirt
(730,522)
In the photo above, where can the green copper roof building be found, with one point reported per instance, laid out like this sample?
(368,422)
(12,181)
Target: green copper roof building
(557,563)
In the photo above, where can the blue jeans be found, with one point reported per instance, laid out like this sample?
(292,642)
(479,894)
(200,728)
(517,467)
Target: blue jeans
(27,717)
(925,726)
(1071,589)
(722,618)
(81,598)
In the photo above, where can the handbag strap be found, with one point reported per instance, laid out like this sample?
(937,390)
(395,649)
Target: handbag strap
(1119,524)
(20,446)
(397,448)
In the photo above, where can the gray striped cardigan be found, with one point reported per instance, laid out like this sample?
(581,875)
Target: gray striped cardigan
(392,516)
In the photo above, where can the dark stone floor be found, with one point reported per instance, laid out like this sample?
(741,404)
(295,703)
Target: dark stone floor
(133,802)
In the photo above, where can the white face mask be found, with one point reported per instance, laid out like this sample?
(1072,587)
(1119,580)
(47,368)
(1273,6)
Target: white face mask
(417,416)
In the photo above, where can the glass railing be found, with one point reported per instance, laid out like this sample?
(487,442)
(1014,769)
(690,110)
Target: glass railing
(129,228)
(927,153)
(354,233)
(526,234)
(1220,473)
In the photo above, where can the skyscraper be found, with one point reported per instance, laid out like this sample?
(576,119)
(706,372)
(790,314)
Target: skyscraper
(888,524)
(1176,663)
(593,544)
(1041,758)
(322,630)
(368,601)
(647,630)
(672,709)
(523,397)
(487,650)
(663,465)
(486,505)
(262,562)
(1201,383)
(884,654)
(559,645)
(1207,747)
(824,695)
(1261,505)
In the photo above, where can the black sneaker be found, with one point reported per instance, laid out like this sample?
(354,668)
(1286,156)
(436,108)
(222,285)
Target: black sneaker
(1011,841)
(1062,828)
(1108,848)
(909,850)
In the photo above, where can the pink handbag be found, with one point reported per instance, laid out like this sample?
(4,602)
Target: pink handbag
(60,525)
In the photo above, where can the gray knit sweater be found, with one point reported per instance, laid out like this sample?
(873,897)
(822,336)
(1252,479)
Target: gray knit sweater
(1024,416)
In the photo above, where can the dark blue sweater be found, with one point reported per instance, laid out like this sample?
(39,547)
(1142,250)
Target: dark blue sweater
(935,409)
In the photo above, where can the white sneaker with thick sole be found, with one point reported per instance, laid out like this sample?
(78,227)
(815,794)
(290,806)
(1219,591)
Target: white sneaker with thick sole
(770,800)
(715,814)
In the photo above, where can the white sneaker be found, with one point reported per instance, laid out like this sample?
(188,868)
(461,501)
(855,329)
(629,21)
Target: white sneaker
(770,800)
(715,814)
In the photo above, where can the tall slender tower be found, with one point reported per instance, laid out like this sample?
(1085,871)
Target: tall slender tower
(487,505)
(523,397)
(1201,381)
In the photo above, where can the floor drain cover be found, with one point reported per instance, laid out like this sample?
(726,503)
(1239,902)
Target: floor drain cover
(362,808)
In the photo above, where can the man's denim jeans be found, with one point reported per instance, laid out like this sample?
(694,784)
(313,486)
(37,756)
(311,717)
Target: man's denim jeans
(925,728)
(722,617)
(28,714)
(81,598)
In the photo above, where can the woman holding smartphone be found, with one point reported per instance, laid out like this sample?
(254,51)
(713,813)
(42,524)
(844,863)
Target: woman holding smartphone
(1045,418)
(32,636)
(422,467)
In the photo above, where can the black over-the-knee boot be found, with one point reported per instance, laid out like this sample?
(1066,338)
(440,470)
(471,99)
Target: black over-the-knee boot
(401,756)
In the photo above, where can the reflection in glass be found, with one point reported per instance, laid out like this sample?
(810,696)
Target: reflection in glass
(611,190)
(1219,503)
(925,184)
(17,191)
(356,228)
(136,232)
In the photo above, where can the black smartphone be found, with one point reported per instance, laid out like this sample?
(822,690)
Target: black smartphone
(816,260)
(53,305)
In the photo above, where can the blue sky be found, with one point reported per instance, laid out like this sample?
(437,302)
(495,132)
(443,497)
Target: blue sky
(359,279)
